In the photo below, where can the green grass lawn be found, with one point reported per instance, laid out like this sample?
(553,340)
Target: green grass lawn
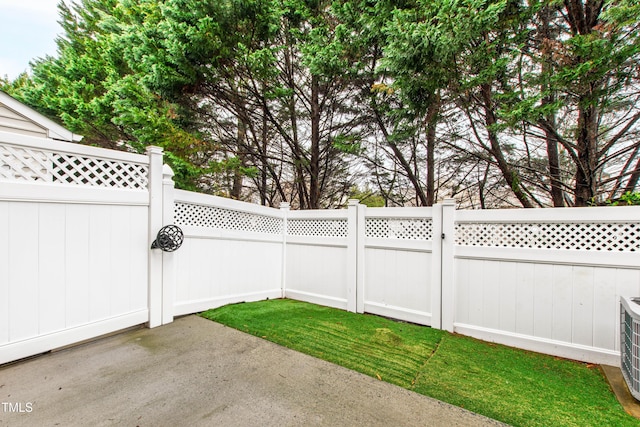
(514,386)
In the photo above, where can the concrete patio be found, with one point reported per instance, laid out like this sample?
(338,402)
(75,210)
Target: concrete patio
(197,372)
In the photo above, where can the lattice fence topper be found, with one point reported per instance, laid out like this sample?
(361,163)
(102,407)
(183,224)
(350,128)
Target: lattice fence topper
(225,219)
(317,227)
(624,237)
(399,228)
(24,164)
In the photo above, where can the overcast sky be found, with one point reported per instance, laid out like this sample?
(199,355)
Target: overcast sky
(28,31)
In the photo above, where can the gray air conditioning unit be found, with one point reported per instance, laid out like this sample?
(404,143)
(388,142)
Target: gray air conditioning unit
(630,343)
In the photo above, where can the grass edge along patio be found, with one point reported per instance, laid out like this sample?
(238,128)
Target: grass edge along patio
(507,384)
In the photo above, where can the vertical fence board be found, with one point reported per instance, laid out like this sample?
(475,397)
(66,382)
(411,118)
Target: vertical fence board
(236,253)
(181,292)
(230,260)
(376,275)
(120,260)
(380,280)
(476,291)
(463,305)
(52,269)
(220,279)
(4,272)
(23,271)
(490,300)
(507,296)
(409,280)
(103,245)
(525,280)
(562,305)
(583,305)
(543,301)
(138,293)
(416,266)
(77,265)
(606,307)
(198,280)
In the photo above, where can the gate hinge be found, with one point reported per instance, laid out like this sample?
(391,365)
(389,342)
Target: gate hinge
(442,236)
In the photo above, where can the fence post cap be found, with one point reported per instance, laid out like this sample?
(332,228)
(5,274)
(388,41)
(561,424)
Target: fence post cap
(449,201)
(153,149)
(354,202)
(167,171)
(284,205)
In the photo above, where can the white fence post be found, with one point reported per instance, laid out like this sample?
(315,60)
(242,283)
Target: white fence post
(448,306)
(436,267)
(360,267)
(168,264)
(284,209)
(155,223)
(352,254)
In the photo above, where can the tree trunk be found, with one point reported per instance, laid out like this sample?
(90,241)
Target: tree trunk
(583,16)
(553,158)
(586,148)
(406,167)
(557,195)
(314,180)
(238,177)
(481,185)
(510,175)
(432,123)
(265,166)
(297,155)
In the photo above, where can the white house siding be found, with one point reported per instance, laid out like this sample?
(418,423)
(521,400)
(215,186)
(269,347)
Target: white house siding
(10,121)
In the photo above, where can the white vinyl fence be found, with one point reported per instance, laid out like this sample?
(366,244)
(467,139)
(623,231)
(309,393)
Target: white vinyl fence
(399,271)
(73,239)
(319,250)
(548,280)
(76,226)
(232,252)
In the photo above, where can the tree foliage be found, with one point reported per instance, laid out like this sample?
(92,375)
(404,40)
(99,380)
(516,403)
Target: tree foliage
(495,102)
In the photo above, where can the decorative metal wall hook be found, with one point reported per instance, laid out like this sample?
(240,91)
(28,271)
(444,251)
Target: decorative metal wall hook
(169,238)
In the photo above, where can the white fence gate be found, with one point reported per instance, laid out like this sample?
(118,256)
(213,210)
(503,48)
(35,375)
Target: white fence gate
(76,225)
(399,263)
(73,234)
